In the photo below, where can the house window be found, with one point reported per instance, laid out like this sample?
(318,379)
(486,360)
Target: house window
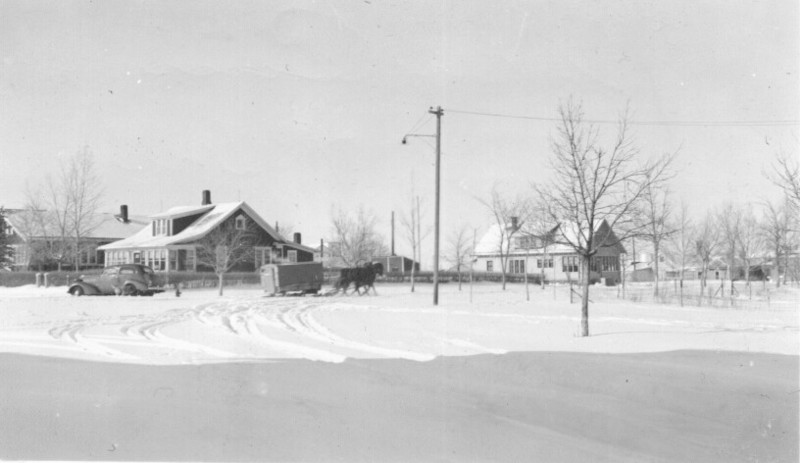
(489,266)
(162,227)
(241,223)
(292,256)
(569,264)
(263,256)
(190,257)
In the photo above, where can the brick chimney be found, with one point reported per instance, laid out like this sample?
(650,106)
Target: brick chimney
(297,238)
(123,214)
(206,197)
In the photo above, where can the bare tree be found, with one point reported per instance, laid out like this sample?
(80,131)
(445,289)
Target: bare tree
(82,188)
(35,248)
(654,220)
(356,237)
(751,243)
(67,214)
(55,221)
(540,231)
(729,219)
(285,229)
(786,174)
(5,247)
(460,247)
(510,215)
(776,229)
(681,244)
(225,247)
(707,241)
(592,184)
(411,224)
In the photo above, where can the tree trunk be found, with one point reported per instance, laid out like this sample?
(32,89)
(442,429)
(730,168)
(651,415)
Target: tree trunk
(503,271)
(777,267)
(655,268)
(585,297)
(221,276)
(527,290)
(413,266)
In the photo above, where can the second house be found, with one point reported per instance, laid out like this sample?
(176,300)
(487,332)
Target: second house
(175,240)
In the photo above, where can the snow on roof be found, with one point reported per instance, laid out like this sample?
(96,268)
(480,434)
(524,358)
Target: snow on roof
(105,225)
(214,215)
(490,242)
(182,211)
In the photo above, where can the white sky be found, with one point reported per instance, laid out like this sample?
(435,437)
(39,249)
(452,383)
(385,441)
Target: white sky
(298,106)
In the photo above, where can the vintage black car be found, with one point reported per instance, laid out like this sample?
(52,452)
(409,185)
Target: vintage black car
(126,280)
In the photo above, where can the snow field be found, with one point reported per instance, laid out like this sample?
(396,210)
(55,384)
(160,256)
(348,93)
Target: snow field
(201,327)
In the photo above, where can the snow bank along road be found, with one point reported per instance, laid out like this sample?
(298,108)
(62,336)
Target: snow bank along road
(392,378)
(201,327)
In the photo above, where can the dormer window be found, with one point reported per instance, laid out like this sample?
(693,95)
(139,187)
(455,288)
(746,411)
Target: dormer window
(162,227)
(241,223)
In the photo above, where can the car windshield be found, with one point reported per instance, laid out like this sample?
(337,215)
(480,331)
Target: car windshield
(148,270)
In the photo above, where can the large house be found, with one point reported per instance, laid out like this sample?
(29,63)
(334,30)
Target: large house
(169,242)
(37,243)
(556,261)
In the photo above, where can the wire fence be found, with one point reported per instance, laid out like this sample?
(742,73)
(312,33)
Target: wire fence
(736,295)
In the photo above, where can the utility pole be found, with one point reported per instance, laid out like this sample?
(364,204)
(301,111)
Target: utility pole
(392,233)
(439,113)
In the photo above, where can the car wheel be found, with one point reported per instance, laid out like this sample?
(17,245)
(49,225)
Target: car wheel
(130,290)
(78,291)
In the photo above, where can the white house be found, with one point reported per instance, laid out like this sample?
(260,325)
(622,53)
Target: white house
(556,261)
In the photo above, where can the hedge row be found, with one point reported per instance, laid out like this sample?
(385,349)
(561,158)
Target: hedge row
(186,279)
(203,279)
(445,277)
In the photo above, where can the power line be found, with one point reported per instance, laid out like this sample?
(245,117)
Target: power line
(779,123)
(420,122)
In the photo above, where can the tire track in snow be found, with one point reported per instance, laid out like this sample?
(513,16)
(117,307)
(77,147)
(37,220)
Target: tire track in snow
(150,329)
(301,320)
(72,332)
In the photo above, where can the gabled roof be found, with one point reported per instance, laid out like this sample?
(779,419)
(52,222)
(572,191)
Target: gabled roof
(106,225)
(489,243)
(214,215)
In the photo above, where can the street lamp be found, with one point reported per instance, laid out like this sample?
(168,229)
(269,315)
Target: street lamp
(439,112)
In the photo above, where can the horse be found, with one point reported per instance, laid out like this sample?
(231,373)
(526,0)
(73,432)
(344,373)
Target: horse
(360,277)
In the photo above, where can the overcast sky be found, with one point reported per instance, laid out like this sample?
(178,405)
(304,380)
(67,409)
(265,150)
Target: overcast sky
(297,107)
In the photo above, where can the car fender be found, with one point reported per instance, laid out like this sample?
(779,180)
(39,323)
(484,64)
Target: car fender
(136,284)
(88,289)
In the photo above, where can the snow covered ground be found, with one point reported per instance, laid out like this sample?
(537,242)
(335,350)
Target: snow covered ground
(201,327)
(393,378)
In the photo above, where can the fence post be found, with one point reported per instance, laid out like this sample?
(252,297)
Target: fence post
(38,279)
(46,280)
(570,291)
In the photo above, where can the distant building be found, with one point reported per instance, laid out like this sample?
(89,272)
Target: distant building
(169,241)
(557,262)
(328,254)
(37,244)
(397,264)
